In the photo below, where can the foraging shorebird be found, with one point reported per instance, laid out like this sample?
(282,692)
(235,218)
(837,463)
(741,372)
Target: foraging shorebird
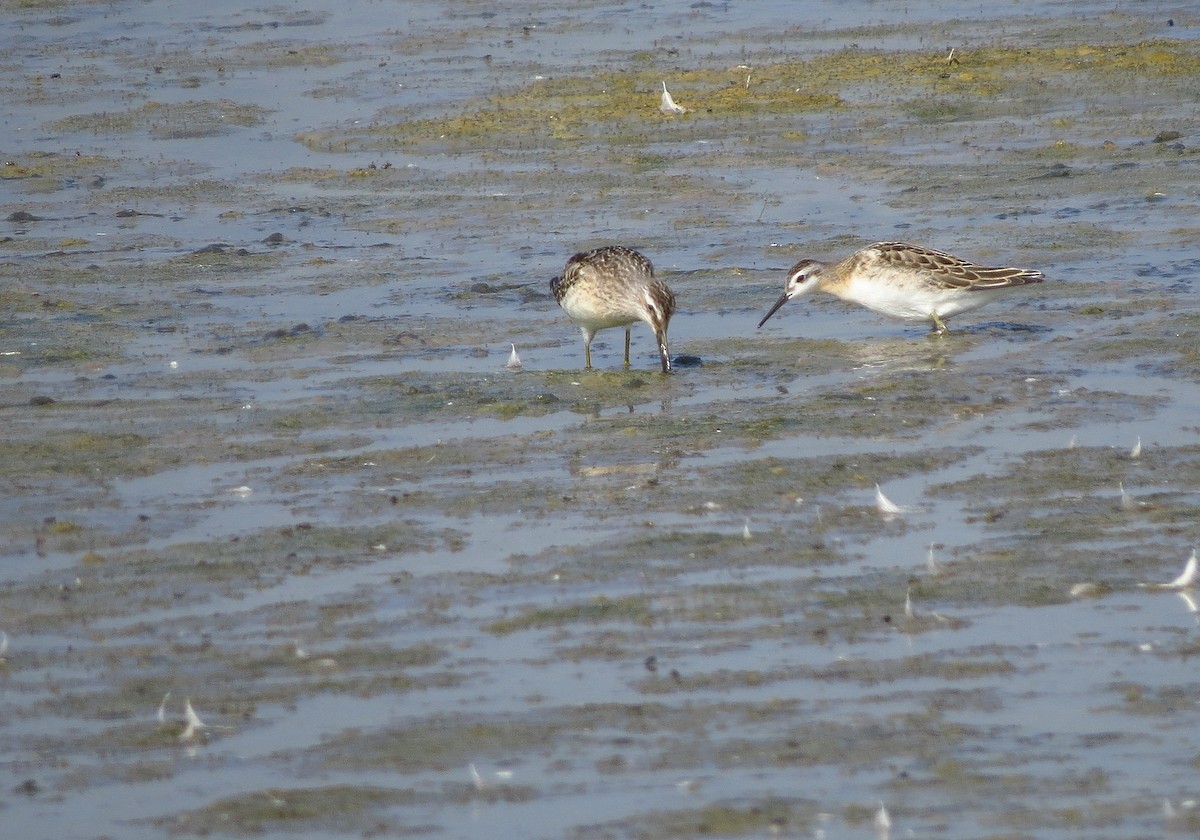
(614,286)
(905,281)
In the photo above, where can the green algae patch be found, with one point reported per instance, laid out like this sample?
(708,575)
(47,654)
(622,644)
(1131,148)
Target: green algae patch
(358,670)
(337,808)
(762,480)
(609,107)
(442,742)
(198,118)
(128,580)
(287,54)
(50,167)
(991,661)
(1168,702)
(77,454)
(662,553)
(42,5)
(771,816)
(599,610)
(622,108)
(1052,478)
(978,664)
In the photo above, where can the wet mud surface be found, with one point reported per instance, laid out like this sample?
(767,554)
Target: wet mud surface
(287,550)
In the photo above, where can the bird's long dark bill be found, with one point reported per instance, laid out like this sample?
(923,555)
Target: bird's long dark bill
(782,300)
(664,354)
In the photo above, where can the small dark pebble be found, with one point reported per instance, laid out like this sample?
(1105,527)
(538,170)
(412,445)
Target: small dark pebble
(275,239)
(29,787)
(651,664)
(299,329)
(214,248)
(221,248)
(1166,136)
(545,398)
(687,361)
(22,216)
(41,399)
(1058,170)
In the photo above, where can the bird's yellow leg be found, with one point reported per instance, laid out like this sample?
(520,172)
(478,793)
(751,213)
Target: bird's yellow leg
(939,327)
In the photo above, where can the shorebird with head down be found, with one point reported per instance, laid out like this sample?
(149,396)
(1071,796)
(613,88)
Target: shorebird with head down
(614,286)
(906,282)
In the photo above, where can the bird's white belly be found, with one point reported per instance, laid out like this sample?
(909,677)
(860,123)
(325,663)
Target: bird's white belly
(597,312)
(911,302)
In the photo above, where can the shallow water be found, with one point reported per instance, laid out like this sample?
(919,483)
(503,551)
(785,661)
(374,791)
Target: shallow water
(288,479)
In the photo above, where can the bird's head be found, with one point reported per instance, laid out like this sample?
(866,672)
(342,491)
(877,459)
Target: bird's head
(802,279)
